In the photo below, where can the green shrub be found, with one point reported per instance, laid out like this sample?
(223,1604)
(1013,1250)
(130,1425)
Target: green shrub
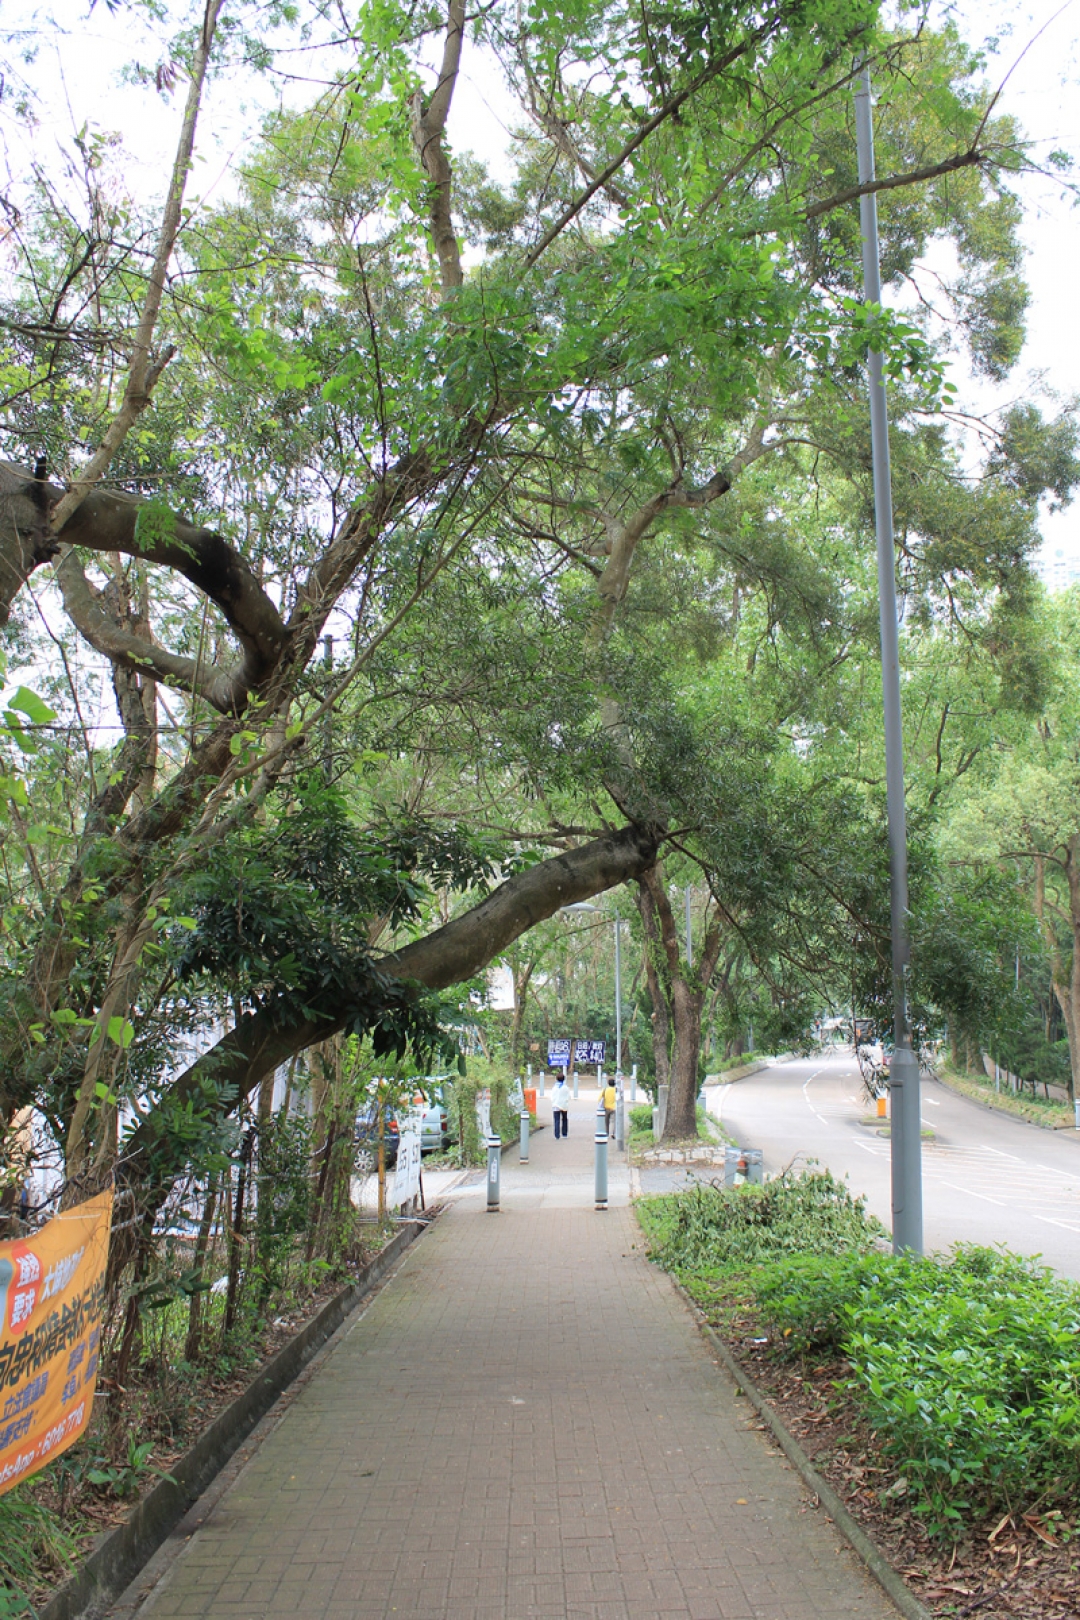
(731,1228)
(968,1368)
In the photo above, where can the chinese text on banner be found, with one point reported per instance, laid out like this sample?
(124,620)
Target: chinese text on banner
(52,1285)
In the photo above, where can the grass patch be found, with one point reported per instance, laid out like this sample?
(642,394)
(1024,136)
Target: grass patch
(33,1544)
(640,1132)
(1046,1111)
(967,1368)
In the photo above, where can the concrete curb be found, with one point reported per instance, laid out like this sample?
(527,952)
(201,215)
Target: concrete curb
(1005,1113)
(729,1076)
(121,1553)
(883,1572)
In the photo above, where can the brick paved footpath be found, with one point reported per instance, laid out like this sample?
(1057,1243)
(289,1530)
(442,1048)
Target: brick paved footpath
(524,1422)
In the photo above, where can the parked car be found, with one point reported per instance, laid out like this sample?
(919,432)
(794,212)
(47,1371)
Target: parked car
(366,1137)
(435,1120)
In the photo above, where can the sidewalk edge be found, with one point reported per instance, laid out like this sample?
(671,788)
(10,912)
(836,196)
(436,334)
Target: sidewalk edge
(123,1552)
(883,1572)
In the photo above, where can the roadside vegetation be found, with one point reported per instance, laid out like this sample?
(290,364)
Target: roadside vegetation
(1054,1113)
(940,1392)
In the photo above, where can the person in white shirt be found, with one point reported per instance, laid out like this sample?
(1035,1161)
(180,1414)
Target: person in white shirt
(560,1102)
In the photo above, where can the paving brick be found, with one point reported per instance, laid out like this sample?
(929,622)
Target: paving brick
(523,1424)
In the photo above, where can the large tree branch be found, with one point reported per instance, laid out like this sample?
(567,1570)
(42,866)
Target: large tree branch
(447,956)
(105,630)
(893,182)
(428,127)
(111,520)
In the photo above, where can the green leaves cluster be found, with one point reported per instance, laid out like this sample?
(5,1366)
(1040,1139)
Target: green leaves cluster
(967,1368)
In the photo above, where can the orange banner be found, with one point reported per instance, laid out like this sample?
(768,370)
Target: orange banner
(52,1287)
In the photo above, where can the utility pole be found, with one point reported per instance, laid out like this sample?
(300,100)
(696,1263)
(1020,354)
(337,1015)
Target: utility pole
(618,994)
(905,1137)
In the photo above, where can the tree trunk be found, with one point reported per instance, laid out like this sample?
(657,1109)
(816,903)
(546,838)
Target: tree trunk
(685,989)
(236,1233)
(193,1341)
(521,977)
(1072,1010)
(682,1097)
(656,982)
(1067,995)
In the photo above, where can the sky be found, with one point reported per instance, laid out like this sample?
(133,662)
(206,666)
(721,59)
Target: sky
(1034,57)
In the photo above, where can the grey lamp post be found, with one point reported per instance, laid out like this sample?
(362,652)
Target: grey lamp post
(586,905)
(905,1140)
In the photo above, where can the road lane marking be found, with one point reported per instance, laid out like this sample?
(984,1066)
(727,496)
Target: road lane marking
(972,1194)
(1065,1225)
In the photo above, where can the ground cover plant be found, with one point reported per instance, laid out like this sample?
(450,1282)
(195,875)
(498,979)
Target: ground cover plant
(1050,1112)
(940,1395)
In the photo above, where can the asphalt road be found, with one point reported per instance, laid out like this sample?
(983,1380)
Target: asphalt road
(987,1178)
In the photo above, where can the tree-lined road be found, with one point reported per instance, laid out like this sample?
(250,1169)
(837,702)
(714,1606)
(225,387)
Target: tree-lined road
(987,1178)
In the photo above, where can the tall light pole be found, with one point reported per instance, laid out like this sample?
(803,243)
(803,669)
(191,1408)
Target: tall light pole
(585,905)
(618,994)
(905,1139)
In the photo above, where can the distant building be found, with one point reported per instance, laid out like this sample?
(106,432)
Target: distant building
(1059,569)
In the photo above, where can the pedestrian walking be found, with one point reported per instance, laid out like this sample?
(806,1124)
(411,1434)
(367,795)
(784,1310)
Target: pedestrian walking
(608,1095)
(560,1103)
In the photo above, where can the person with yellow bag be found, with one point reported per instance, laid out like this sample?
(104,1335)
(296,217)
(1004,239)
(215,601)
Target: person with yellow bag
(608,1097)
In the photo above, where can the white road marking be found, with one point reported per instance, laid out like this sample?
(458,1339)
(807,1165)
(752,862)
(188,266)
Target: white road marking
(970,1193)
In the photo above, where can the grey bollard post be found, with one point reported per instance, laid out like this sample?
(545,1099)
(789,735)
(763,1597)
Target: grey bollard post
(656,1124)
(543,1077)
(633,1084)
(620,1119)
(524,1137)
(661,1098)
(494,1147)
(601,1160)
(1076,1112)
(575,1085)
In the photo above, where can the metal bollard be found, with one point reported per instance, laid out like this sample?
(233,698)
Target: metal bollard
(1076,1110)
(620,1120)
(543,1077)
(575,1085)
(656,1124)
(524,1137)
(601,1160)
(494,1147)
(633,1084)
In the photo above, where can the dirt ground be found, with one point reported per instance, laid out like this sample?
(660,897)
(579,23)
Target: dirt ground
(1017,1567)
